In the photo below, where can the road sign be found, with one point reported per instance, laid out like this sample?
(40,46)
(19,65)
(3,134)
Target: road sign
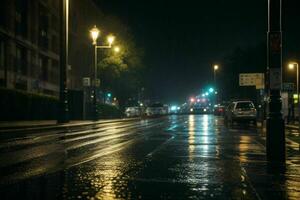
(252,79)
(288,87)
(86,81)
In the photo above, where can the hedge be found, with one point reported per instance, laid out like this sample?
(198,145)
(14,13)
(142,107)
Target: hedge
(107,111)
(21,105)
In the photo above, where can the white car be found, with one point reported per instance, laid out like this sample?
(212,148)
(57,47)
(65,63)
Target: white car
(132,111)
(239,111)
(156,109)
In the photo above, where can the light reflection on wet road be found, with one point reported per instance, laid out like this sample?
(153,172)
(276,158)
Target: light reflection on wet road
(175,157)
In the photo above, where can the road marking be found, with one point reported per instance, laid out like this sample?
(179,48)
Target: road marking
(160,147)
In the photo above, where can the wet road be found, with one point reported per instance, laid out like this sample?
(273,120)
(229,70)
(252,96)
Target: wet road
(174,157)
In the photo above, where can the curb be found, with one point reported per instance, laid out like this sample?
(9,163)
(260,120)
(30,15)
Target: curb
(291,126)
(8,129)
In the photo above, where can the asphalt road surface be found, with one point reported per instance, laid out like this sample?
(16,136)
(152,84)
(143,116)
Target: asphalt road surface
(172,157)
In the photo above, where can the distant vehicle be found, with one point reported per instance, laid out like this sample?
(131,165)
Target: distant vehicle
(240,111)
(133,111)
(200,110)
(156,109)
(219,110)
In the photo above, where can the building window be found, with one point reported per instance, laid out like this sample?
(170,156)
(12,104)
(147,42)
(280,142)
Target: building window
(21,61)
(43,61)
(21,17)
(3,16)
(55,47)
(55,68)
(43,26)
(55,23)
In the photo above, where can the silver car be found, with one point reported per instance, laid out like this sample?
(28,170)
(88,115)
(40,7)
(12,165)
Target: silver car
(156,109)
(240,111)
(134,111)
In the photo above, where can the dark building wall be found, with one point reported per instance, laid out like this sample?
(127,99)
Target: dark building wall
(27,35)
(29,44)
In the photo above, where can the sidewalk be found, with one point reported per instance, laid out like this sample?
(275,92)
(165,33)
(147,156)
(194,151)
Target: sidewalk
(10,126)
(291,131)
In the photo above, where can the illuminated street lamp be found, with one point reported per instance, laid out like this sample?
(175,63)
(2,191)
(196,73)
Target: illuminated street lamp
(216,68)
(292,67)
(110,39)
(117,49)
(95,33)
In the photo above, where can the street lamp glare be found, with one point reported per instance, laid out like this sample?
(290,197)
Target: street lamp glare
(95,34)
(291,66)
(110,39)
(117,49)
(216,67)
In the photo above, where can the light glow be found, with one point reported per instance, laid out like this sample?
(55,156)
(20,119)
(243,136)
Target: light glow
(110,39)
(117,49)
(94,34)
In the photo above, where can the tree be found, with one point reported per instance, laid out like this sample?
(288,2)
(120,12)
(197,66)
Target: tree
(121,73)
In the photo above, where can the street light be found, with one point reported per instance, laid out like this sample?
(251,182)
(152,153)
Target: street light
(117,49)
(216,68)
(95,32)
(110,39)
(291,67)
(63,109)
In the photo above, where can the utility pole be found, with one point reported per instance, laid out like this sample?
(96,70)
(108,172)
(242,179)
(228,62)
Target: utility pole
(63,109)
(275,143)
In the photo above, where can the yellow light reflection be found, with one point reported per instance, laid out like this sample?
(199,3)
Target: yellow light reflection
(244,148)
(191,139)
(205,133)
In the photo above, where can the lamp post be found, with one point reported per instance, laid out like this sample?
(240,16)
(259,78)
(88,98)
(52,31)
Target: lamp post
(291,67)
(275,134)
(63,90)
(216,68)
(95,33)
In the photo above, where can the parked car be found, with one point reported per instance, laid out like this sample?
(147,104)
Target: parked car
(240,111)
(133,111)
(155,109)
(219,110)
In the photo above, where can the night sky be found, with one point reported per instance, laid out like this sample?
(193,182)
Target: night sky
(183,39)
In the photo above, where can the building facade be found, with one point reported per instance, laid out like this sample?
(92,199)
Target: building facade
(29,44)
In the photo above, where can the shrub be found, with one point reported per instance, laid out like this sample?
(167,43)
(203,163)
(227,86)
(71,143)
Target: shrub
(107,111)
(21,105)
